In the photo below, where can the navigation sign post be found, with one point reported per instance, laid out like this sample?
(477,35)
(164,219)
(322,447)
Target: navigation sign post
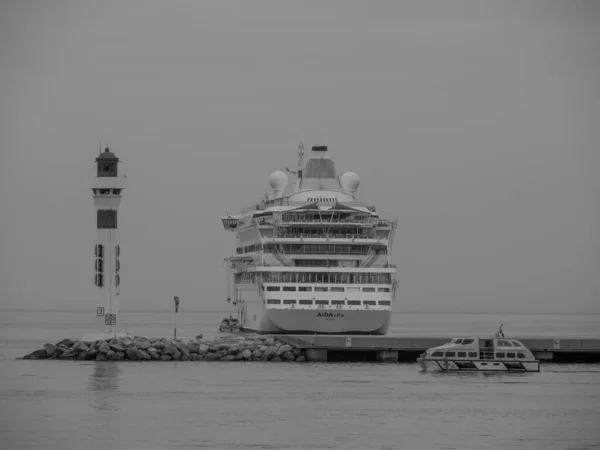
(176,300)
(99,311)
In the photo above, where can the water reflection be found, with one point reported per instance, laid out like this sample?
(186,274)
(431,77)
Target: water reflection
(104,383)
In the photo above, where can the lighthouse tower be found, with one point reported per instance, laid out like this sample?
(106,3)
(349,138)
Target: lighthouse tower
(107,190)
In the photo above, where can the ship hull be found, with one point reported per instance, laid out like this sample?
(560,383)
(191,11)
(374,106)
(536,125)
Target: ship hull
(327,321)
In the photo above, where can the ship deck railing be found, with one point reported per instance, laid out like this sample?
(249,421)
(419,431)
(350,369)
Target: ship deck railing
(324,221)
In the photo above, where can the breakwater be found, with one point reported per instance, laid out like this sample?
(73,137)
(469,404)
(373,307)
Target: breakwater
(255,348)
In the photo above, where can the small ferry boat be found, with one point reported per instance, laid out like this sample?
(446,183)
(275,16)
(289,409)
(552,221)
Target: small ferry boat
(230,324)
(472,354)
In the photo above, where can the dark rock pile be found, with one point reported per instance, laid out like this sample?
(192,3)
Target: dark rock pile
(136,348)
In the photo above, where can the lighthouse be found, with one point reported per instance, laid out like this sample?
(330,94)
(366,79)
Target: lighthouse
(107,190)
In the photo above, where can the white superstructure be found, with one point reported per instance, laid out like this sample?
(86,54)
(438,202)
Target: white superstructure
(313,259)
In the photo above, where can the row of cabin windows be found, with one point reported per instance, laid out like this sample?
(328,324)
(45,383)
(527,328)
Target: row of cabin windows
(352,249)
(107,191)
(311,277)
(323,289)
(324,217)
(330,278)
(275,301)
(302,249)
(474,355)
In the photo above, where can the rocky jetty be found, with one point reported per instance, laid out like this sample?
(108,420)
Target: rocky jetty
(261,348)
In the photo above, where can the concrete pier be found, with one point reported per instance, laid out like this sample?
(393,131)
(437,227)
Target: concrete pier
(391,348)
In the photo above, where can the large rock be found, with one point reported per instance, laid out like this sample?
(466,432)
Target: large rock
(68,354)
(176,356)
(65,343)
(100,357)
(50,350)
(165,357)
(132,354)
(227,358)
(117,356)
(276,359)
(202,349)
(232,350)
(184,351)
(116,347)
(153,353)
(91,354)
(298,352)
(284,348)
(270,352)
(39,354)
(82,348)
(301,358)
(142,344)
(105,348)
(185,357)
(211,357)
(246,354)
(143,355)
(169,350)
(288,356)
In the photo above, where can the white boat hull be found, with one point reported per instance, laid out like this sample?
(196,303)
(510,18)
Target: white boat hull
(262,318)
(474,365)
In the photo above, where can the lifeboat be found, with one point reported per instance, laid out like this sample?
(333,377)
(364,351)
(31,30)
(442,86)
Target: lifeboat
(474,354)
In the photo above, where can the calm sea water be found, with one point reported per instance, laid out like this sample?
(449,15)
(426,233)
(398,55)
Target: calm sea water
(180,405)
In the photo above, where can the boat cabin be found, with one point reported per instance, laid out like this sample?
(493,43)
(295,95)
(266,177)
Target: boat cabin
(476,348)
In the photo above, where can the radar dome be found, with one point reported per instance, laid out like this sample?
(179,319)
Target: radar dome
(350,182)
(278,181)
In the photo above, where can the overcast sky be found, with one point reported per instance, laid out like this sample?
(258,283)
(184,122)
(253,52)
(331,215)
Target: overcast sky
(475,123)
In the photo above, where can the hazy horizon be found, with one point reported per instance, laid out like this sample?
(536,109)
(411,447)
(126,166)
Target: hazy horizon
(474,123)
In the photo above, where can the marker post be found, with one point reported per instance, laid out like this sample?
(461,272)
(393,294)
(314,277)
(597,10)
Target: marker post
(176,299)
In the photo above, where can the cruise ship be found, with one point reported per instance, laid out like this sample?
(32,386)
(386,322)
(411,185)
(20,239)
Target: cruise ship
(310,258)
